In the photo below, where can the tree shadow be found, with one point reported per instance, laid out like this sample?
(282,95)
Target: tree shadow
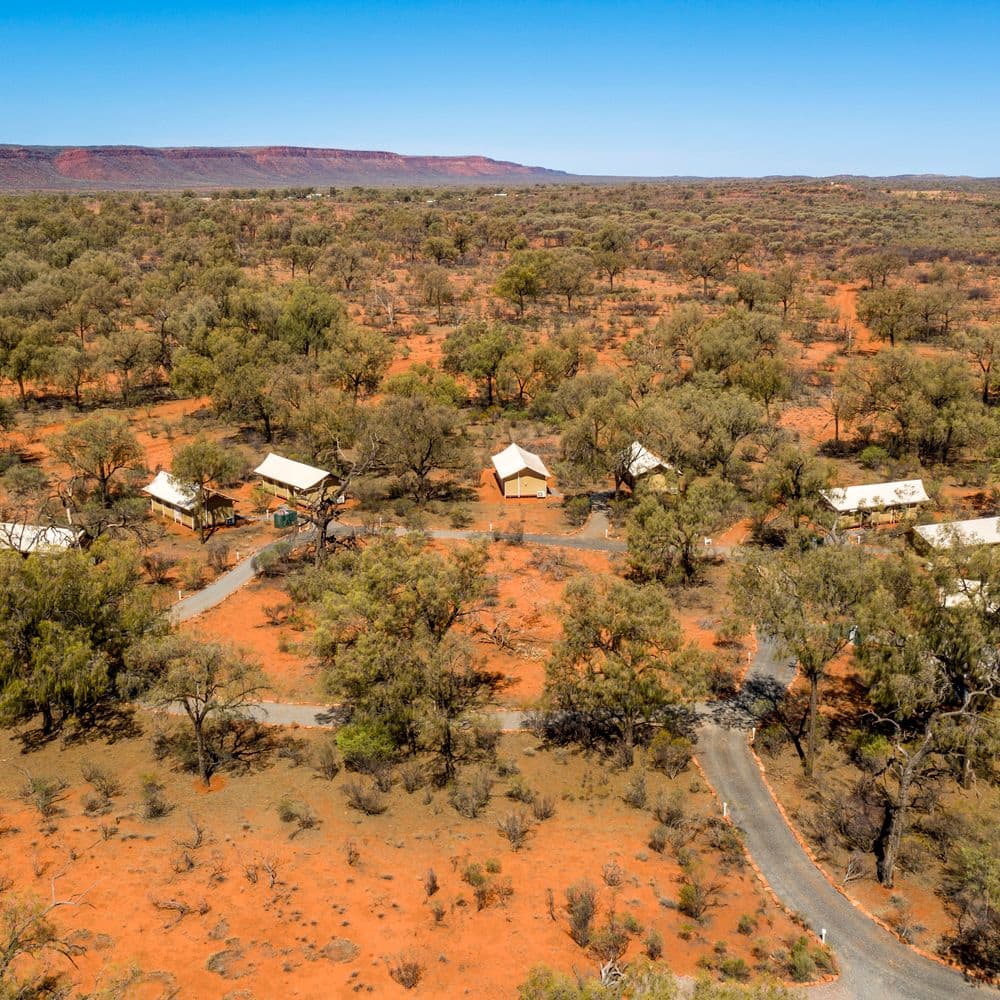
(236,746)
(109,723)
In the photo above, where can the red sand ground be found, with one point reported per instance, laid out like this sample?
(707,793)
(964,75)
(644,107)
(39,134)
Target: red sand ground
(326,927)
(282,650)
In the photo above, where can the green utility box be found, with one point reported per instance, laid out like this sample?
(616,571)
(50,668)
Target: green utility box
(285,518)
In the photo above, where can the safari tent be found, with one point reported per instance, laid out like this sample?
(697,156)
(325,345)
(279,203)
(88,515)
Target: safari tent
(291,480)
(177,501)
(640,466)
(949,534)
(30,538)
(876,503)
(520,473)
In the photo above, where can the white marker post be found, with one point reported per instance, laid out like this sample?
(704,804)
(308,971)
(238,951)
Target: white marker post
(725,809)
(822,934)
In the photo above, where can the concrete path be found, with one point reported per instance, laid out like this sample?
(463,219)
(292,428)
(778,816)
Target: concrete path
(243,572)
(874,964)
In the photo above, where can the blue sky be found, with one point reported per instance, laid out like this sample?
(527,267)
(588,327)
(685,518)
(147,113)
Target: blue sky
(604,88)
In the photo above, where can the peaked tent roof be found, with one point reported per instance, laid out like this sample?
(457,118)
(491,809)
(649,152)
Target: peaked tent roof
(295,474)
(978,531)
(172,491)
(514,459)
(639,461)
(26,538)
(844,499)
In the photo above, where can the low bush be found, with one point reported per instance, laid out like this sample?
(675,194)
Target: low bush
(669,753)
(298,812)
(470,797)
(412,776)
(610,942)
(406,971)
(104,782)
(365,746)
(670,811)
(43,793)
(735,968)
(515,827)
(520,791)
(635,793)
(328,761)
(153,805)
(653,944)
(581,904)
(366,797)
(658,838)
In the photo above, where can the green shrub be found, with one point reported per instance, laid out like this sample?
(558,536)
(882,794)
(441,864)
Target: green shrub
(365,746)
(873,457)
(735,968)
(669,754)
(576,510)
(654,944)
(801,965)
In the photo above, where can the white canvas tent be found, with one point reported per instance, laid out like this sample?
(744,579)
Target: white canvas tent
(638,463)
(289,479)
(172,492)
(29,538)
(876,496)
(978,531)
(876,503)
(178,501)
(520,473)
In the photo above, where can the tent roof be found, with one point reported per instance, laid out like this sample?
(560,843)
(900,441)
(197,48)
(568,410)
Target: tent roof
(172,491)
(639,461)
(979,531)
(26,538)
(298,475)
(514,459)
(965,592)
(871,497)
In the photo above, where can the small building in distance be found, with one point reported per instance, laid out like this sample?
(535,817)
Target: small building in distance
(876,503)
(520,473)
(291,480)
(31,538)
(949,534)
(178,502)
(639,466)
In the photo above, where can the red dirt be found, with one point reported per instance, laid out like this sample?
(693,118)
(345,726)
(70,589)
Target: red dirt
(282,650)
(277,935)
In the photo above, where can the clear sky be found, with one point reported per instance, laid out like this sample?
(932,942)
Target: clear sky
(655,88)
